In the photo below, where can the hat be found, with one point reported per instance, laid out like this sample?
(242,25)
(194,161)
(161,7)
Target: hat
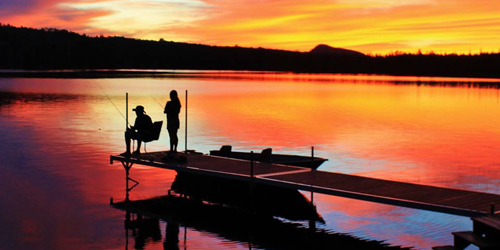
(139,108)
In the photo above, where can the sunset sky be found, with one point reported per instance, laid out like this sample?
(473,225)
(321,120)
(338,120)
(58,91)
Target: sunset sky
(369,26)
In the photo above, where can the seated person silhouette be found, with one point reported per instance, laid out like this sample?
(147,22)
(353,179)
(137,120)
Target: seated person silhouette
(140,131)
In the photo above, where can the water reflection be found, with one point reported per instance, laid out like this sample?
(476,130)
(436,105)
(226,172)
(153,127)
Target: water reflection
(10,98)
(146,230)
(53,177)
(264,200)
(235,225)
(57,135)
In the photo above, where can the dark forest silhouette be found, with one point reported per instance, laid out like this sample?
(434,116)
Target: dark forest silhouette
(43,49)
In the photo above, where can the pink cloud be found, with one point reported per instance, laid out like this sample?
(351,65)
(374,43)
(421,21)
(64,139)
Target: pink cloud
(41,14)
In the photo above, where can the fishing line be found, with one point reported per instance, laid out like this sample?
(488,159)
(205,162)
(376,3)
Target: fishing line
(113,104)
(157,102)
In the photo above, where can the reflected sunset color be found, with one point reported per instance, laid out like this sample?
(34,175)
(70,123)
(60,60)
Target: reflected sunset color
(58,135)
(404,132)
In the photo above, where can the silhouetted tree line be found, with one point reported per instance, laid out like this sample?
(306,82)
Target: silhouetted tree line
(27,48)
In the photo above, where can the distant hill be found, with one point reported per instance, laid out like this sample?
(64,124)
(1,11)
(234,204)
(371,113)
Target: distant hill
(27,48)
(43,49)
(328,50)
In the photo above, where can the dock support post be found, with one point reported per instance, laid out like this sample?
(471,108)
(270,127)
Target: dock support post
(186,125)
(127,172)
(126,111)
(252,202)
(312,198)
(172,230)
(251,183)
(251,165)
(312,220)
(312,169)
(128,166)
(185,237)
(127,223)
(312,158)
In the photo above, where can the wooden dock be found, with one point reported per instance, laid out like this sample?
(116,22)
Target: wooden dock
(438,199)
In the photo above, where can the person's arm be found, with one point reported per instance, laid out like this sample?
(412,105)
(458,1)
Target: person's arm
(135,125)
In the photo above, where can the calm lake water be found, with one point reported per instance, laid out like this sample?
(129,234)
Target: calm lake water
(57,135)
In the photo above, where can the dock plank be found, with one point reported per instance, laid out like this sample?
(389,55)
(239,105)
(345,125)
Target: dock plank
(438,196)
(439,199)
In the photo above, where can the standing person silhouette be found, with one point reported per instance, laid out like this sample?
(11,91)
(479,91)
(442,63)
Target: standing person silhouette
(172,109)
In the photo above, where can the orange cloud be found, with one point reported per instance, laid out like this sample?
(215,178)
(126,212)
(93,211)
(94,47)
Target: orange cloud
(369,25)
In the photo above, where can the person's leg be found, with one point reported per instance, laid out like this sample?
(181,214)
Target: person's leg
(171,134)
(176,139)
(127,141)
(139,142)
(132,135)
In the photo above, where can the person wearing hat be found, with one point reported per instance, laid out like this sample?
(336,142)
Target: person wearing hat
(140,131)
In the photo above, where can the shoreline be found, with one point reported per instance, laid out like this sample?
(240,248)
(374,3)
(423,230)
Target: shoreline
(252,75)
(172,73)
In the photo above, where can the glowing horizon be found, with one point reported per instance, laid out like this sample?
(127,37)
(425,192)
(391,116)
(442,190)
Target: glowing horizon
(368,26)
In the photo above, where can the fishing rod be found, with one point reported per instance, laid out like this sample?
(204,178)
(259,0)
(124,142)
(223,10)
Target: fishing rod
(113,104)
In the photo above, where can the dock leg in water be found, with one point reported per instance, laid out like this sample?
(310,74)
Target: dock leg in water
(171,236)
(252,185)
(312,220)
(128,166)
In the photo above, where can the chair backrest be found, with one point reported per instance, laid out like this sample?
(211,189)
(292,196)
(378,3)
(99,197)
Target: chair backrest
(265,156)
(225,150)
(155,132)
